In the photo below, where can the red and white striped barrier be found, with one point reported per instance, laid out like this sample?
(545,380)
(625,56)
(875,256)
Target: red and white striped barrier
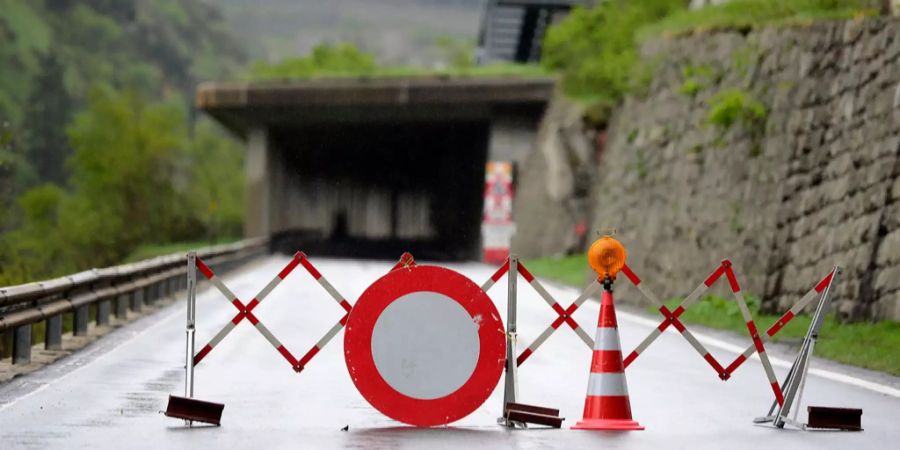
(671,318)
(564,314)
(406,260)
(783,320)
(246,311)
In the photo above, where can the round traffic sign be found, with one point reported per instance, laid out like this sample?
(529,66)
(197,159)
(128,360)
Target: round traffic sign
(425,345)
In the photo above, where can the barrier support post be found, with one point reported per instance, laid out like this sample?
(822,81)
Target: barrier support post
(21,353)
(796,381)
(511,384)
(80,321)
(53,333)
(190,326)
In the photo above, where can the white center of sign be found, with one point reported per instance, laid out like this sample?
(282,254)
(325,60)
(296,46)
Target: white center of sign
(425,345)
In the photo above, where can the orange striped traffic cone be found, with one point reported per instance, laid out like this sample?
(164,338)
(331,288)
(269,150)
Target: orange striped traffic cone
(607,406)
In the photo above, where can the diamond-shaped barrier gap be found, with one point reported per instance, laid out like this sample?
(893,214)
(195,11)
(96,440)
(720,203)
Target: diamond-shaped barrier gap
(246,311)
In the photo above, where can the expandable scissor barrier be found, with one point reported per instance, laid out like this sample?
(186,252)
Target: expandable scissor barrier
(672,318)
(514,412)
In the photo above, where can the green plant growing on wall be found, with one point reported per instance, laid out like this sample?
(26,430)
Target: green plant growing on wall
(690,87)
(736,106)
(696,78)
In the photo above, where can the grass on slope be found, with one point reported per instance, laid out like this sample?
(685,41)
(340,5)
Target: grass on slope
(148,251)
(869,345)
(747,14)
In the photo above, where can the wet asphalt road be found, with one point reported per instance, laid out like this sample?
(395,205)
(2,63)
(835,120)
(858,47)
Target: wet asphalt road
(110,394)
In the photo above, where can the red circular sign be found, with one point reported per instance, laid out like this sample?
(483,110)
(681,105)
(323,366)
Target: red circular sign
(425,345)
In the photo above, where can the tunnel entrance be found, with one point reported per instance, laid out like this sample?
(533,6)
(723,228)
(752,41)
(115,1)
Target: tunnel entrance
(377,190)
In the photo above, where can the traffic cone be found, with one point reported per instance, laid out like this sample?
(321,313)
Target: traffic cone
(607,406)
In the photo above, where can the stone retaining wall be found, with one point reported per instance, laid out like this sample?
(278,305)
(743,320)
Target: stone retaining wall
(816,184)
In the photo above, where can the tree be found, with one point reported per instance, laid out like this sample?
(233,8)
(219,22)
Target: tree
(125,171)
(47,111)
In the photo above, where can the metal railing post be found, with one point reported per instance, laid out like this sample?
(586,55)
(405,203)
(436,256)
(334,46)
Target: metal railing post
(103,310)
(53,333)
(80,325)
(137,299)
(22,345)
(122,301)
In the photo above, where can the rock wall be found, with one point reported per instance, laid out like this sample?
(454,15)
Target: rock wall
(554,185)
(816,183)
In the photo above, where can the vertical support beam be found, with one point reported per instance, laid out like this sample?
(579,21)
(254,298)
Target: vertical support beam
(80,327)
(137,299)
(103,310)
(189,328)
(257,168)
(53,333)
(794,390)
(511,387)
(22,345)
(122,302)
(174,286)
(149,294)
(160,291)
(511,380)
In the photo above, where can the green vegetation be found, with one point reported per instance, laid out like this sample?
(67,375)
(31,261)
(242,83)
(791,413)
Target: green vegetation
(869,345)
(347,61)
(696,78)
(571,270)
(596,52)
(747,14)
(99,152)
(736,106)
(136,176)
(596,49)
(147,251)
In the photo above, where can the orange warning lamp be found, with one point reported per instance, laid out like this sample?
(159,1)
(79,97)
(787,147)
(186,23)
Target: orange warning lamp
(606,256)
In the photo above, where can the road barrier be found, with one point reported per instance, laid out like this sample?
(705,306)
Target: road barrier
(440,396)
(672,318)
(110,291)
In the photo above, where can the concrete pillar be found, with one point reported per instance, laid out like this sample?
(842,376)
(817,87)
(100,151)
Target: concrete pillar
(103,310)
(80,327)
(257,220)
(53,333)
(22,345)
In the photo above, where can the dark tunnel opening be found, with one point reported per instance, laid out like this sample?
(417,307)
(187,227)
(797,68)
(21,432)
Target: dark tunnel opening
(377,190)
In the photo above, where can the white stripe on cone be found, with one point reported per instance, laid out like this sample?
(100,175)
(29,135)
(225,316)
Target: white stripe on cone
(607,339)
(607,385)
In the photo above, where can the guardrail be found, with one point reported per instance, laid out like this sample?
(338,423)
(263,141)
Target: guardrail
(112,291)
